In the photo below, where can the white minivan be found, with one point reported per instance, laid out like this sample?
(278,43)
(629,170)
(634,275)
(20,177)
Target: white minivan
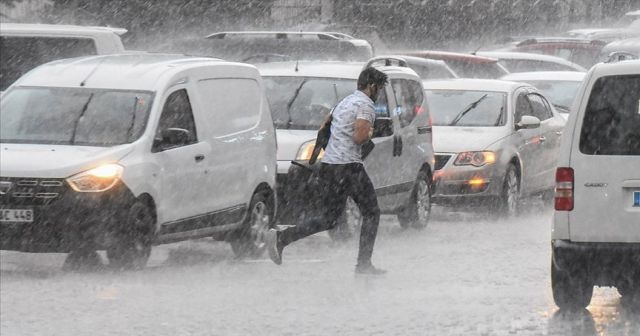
(122,152)
(596,226)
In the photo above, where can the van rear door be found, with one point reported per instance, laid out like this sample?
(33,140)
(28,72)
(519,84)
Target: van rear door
(606,162)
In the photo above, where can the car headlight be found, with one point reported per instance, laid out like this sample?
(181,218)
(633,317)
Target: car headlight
(477,159)
(304,153)
(98,179)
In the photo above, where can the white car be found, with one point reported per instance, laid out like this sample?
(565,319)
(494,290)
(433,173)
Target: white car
(302,94)
(596,226)
(495,141)
(560,87)
(122,152)
(527,62)
(25,46)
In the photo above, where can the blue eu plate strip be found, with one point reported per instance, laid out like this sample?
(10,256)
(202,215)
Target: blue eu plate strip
(636,198)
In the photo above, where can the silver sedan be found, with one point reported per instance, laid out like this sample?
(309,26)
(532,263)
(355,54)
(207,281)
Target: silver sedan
(495,142)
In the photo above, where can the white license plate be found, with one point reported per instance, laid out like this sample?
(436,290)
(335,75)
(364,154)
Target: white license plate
(16,215)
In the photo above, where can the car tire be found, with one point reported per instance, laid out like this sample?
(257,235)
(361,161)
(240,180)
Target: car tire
(133,241)
(571,290)
(82,260)
(348,224)
(418,210)
(509,201)
(250,241)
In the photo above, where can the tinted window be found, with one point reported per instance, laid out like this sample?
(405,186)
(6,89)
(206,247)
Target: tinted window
(73,116)
(177,113)
(611,124)
(21,54)
(523,108)
(466,108)
(539,108)
(304,102)
(382,104)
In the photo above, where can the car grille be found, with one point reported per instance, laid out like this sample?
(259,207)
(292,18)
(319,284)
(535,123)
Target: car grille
(30,191)
(441,160)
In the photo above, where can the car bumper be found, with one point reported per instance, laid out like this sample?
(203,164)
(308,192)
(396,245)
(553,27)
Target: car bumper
(459,183)
(70,221)
(606,263)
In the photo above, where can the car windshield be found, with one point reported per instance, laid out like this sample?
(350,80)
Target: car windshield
(466,108)
(490,70)
(560,93)
(78,116)
(304,102)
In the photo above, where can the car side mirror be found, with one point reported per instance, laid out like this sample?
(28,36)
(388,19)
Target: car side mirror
(528,122)
(382,127)
(171,138)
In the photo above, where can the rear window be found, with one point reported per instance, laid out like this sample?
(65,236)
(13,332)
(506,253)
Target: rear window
(21,54)
(611,123)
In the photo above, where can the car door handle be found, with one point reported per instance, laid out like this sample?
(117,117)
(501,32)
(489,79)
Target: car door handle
(199,157)
(558,132)
(542,139)
(424,129)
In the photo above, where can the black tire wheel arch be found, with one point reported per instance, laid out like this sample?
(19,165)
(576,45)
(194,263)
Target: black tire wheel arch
(133,240)
(417,211)
(249,240)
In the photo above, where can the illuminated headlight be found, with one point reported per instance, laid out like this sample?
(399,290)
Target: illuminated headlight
(304,153)
(98,179)
(477,159)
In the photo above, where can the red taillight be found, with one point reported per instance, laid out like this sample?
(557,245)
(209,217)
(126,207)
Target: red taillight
(564,189)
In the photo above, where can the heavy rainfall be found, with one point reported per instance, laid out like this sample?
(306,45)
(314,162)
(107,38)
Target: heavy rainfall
(320,167)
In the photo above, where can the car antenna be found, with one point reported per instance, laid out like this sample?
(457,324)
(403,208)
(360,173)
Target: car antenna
(475,51)
(297,64)
(84,81)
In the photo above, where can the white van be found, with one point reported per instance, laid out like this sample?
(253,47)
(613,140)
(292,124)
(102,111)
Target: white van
(25,46)
(125,151)
(596,226)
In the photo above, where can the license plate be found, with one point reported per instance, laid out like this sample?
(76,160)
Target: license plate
(636,198)
(16,215)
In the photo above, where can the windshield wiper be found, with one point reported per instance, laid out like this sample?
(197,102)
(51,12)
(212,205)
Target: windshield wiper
(77,121)
(290,102)
(467,109)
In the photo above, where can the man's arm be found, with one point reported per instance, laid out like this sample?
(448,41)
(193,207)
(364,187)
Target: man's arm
(363,131)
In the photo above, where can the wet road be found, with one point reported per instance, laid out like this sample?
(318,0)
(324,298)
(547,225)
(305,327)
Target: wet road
(462,275)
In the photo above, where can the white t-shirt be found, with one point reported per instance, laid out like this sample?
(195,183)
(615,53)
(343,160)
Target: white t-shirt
(341,148)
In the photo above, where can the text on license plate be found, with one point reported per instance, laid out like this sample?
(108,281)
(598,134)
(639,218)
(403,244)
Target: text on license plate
(636,198)
(16,215)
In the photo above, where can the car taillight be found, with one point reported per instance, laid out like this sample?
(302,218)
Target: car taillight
(564,189)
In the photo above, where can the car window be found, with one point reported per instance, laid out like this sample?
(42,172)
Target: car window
(523,108)
(177,113)
(538,107)
(466,108)
(234,104)
(435,71)
(382,105)
(304,102)
(21,54)
(561,93)
(73,116)
(611,124)
(409,98)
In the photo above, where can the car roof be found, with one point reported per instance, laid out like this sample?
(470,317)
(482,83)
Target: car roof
(573,76)
(466,84)
(325,69)
(562,40)
(449,55)
(280,34)
(123,71)
(529,56)
(22,28)
(616,68)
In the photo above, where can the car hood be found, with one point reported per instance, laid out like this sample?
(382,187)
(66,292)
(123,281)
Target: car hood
(448,139)
(289,142)
(55,161)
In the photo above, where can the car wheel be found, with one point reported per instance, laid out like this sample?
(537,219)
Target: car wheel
(133,243)
(82,260)
(510,197)
(417,212)
(348,224)
(571,290)
(251,240)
